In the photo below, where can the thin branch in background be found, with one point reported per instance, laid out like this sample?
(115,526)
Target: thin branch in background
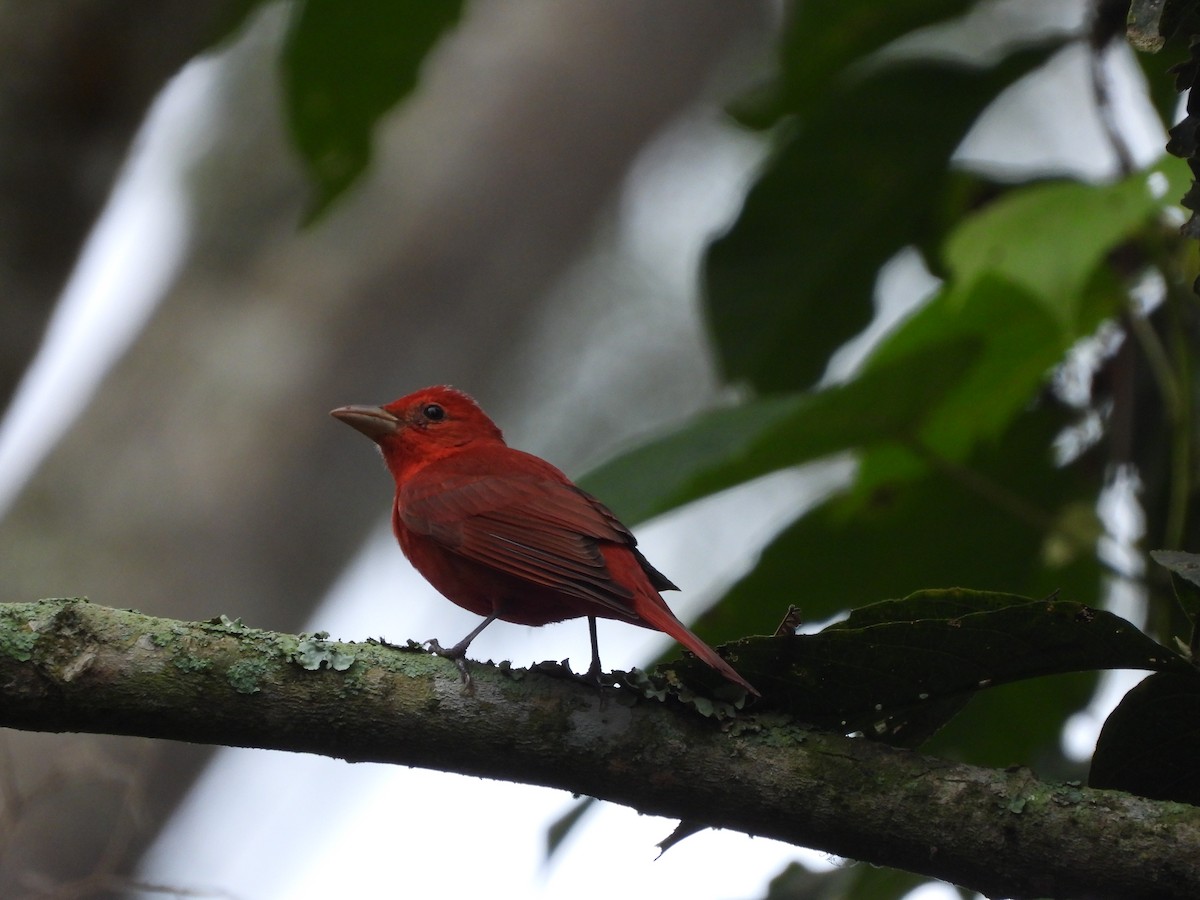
(1182,418)
(996,494)
(1159,361)
(1168,370)
(1100,37)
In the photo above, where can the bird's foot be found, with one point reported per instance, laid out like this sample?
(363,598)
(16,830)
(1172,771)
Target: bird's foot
(457,654)
(594,675)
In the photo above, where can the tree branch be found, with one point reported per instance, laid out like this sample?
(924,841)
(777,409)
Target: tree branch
(67,665)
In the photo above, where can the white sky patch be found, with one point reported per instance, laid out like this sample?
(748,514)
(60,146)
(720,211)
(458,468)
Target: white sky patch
(904,285)
(1047,123)
(697,173)
(126,265)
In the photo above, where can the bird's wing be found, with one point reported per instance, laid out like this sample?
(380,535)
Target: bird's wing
(534,527)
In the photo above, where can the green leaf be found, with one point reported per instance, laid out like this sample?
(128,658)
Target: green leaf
(1150,743)
(985,522)
(344,65)
(848,187)
(1033,237)
(1019,344)
(1020,336)
(881,669)
(954,374)
(726,447)
(1024,280)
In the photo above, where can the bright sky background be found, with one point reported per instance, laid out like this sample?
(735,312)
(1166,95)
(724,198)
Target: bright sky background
(274,825)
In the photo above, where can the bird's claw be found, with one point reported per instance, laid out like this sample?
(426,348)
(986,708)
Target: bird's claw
(457,654)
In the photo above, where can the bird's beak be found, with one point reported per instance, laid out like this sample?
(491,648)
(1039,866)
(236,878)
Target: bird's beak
(373,421)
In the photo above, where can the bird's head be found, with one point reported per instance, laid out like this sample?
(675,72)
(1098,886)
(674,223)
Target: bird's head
(423,426)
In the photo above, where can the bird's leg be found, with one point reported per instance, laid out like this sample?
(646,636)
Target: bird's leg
(458,652)
(594,670)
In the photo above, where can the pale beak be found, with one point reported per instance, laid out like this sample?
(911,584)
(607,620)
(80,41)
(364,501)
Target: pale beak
(373,421)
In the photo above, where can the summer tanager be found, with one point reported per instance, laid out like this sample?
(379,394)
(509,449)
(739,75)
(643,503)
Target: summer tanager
(507,535)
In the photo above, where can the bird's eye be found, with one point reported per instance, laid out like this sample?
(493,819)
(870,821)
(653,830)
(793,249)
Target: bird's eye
(434,412)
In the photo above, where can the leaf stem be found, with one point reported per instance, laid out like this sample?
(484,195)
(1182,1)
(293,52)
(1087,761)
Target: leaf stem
(996,494)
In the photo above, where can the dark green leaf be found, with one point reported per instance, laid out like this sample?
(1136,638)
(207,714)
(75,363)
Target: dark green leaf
(848,187)
(1185,578)
(891,537)
(233,16)
(937,604)
(1003,520)
(881,676)
(881,883)
(796,882)
(1151,742)
(729,446)
(824,37)
(1020,723)
(345,64)
(1185,565)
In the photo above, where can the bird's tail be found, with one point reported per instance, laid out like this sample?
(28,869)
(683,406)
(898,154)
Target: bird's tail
(650,610)
(659,616)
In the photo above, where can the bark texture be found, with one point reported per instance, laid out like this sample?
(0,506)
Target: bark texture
(66,665)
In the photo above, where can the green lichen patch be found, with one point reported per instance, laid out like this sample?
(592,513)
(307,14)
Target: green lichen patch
(156,638)
(246,676)
(314,651)
(18,643)
(188,663)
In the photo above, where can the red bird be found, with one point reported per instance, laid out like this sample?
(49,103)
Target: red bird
(507,535)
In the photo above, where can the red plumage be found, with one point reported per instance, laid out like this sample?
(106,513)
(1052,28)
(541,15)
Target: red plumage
(504,533)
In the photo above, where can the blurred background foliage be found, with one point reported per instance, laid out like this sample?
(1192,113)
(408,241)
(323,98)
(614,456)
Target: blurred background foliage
(1025,425)
(990,473)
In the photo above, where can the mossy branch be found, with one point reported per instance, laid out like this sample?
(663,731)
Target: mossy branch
(67,665)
